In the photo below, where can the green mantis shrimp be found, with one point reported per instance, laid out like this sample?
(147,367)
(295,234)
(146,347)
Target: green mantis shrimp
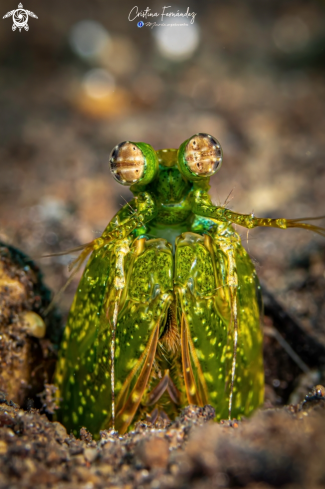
(168,310)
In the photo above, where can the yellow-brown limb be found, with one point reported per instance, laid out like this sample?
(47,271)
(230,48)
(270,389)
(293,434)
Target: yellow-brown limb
(129,406)
(77,265)
(67,252)
(203,206)
(197,393)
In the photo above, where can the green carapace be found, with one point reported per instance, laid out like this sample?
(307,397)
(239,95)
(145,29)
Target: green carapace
(168,310)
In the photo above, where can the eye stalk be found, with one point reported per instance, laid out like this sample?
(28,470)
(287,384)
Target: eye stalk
(133,163)
(200,157)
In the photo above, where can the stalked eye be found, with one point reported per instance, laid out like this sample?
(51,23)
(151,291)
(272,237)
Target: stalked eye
(127,163)
(203,155)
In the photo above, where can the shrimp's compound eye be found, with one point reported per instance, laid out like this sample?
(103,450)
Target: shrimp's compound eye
(203,155)
(127,163)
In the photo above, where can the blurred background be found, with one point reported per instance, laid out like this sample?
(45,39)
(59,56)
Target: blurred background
(84,78)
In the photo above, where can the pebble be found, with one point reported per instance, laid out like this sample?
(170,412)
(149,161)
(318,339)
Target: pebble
(153,453)
(90,454)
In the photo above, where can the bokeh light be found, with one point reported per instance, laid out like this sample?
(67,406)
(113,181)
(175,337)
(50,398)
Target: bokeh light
(290,34)
(89,38)
(177,43)
(98,83)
